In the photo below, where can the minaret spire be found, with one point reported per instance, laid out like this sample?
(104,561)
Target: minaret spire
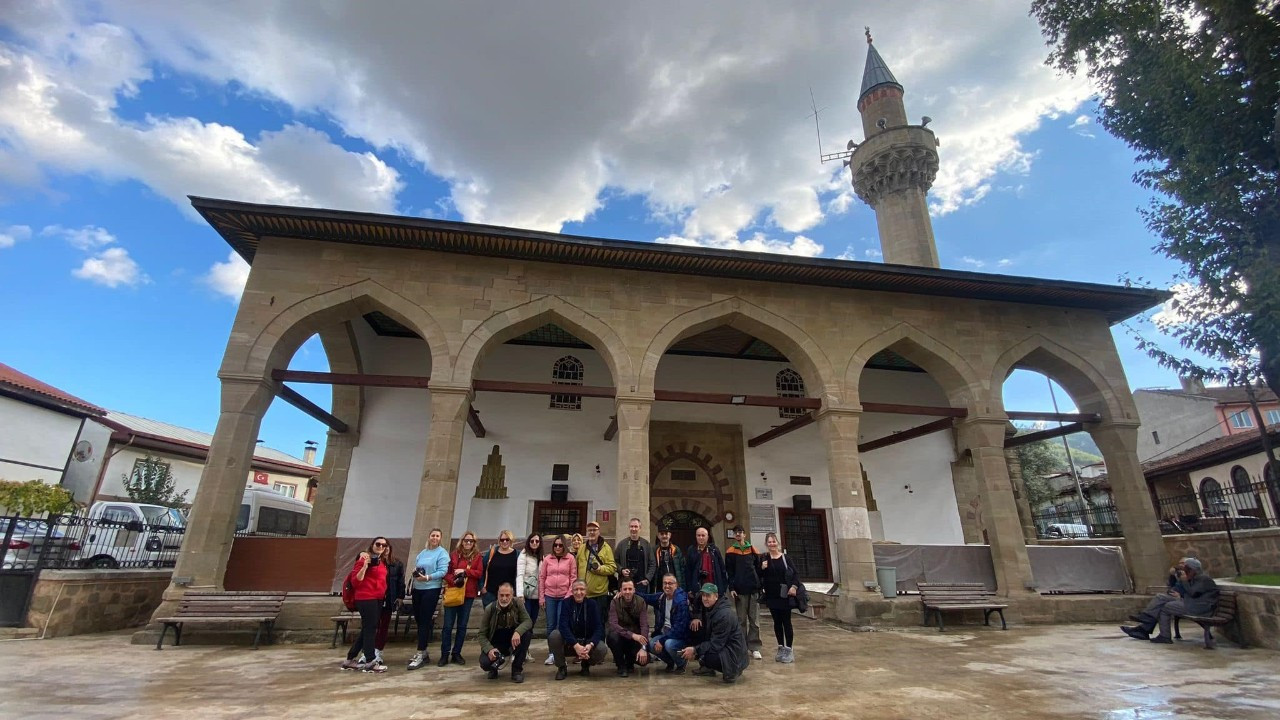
(894,166)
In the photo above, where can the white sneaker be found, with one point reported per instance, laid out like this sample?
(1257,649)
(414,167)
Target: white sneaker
(416,661)
(377,657)
(756,655)
(788,655)
(551,660)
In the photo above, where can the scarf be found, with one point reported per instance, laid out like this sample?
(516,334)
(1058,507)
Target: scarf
(706,565)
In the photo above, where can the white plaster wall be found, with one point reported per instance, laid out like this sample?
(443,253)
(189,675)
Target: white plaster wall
(1182,422)
(81,477)
(34,435)
(386,467)
(1253,464)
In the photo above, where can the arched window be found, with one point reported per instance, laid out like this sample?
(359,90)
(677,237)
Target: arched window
(1210,493)
(1240,479)
(790,385)
(567,371)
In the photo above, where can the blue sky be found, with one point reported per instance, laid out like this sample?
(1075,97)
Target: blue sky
(557,120)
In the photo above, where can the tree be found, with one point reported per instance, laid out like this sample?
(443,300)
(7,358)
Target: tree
(1193,87)
(1038,460)
(152,483)
(34,497)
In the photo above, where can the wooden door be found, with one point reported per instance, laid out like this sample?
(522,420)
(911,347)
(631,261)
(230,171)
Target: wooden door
(804,537)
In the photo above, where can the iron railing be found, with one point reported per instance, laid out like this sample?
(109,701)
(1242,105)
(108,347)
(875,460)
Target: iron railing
(75,541)
(1073,521)
(1240,508)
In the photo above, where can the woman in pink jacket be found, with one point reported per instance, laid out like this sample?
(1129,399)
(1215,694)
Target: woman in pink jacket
(555,582)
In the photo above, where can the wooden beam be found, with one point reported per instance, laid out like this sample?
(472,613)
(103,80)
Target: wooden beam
(1053,417)
(1049,434)
(473,419)
(601,391)
(783,429)
(612,430)
(892,409)
(727,399)
(303,376)
(905,435)
(291,396)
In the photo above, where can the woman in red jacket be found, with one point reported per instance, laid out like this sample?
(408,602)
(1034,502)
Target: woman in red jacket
(465,569)
(369,577)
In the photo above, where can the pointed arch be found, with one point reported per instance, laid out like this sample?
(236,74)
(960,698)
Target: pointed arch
(1088,387)
(802,350)
(520,319)
(279,339)
(957,378)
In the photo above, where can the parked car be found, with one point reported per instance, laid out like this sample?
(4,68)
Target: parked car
(28,540)
(1066,530)
(123,534)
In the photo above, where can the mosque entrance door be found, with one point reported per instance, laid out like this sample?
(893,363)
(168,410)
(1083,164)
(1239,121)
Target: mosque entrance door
(682,524)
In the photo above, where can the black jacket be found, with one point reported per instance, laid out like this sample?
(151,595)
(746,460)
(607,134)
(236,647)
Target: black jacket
(724,638)
(395,585)
(743,569)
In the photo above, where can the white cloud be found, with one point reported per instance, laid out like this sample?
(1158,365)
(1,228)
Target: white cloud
(849,254)
(799,245)
(228,278)
(86,238)
(1004,263)
(1191,304)
(530,111)
(112,267)
(873,254)
(1082,126)
(973,262)
(11,235)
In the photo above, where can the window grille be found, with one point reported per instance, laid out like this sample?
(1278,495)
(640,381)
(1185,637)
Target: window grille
(790,385)
(566,371)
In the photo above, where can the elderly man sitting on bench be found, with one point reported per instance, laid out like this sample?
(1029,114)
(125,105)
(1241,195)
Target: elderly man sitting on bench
(1194,593)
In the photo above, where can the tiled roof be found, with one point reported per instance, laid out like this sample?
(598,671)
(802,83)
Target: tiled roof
(194,438)
(1238,395)
(27,386)
(1217,450)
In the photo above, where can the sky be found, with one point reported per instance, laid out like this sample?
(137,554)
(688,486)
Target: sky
(686,123)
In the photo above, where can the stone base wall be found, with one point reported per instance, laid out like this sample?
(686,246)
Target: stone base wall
(74,602)
(905,611)
(1258,613)
(1258,550)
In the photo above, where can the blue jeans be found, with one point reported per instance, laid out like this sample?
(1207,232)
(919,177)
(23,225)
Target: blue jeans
(553,613)
(531,606)
(670,652)
(452,615)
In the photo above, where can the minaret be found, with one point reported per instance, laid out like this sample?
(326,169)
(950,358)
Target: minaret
(894,167)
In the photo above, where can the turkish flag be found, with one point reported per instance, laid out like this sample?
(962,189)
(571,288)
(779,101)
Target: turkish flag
(261,478)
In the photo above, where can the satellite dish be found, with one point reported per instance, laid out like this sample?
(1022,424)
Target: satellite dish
(83,451)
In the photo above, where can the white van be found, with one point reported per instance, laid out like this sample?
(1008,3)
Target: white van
(266,512)
(125,534)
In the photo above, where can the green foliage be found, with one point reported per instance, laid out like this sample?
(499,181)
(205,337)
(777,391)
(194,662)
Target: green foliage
(152,483)
(1038,460)
(1193,87)
(34,497)
(1264,579)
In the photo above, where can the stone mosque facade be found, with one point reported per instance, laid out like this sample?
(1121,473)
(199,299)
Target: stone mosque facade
(488,378)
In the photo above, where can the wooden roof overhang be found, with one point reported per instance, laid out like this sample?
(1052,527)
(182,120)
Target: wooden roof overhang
(243,225)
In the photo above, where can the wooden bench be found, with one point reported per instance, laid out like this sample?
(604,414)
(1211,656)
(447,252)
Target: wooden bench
(937,597)
(1224,613)
(340,623)
(223,607)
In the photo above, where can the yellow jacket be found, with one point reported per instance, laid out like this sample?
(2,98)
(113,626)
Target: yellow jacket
(597,579)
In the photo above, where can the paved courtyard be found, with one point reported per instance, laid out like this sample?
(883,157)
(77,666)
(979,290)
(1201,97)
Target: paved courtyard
(1077,671)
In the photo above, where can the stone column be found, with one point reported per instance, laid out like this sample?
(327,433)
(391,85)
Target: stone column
(439,489)
(212,522)
(854,556)
(1144,547)
(983,438)
(968,500)
(1014,464)
(331,485)
(633,459)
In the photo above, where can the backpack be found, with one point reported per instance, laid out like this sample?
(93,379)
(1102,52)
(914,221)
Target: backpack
(349,591)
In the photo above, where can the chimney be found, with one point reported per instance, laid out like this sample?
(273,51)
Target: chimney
(1191,386)
(309,452)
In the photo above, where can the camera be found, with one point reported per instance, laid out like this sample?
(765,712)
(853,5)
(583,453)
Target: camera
(499,661)
(419,573)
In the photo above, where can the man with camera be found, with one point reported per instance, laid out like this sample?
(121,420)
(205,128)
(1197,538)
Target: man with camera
(597,567)
(505,632)
(635,557)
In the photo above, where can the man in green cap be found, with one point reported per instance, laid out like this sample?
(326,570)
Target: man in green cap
(724,647)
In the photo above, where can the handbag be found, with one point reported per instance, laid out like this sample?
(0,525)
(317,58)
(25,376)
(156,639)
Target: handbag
(801,599)
(455,596)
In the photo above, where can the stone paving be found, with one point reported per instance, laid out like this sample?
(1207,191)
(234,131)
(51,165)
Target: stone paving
(1072,671)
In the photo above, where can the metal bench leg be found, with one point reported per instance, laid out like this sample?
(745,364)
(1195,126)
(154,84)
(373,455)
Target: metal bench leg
(271,628)
(1003,624)
(1209,643)
(177,634)
(163,631)
(258,635)
(1177,628)
(938,612)
(338,625)
(986,617)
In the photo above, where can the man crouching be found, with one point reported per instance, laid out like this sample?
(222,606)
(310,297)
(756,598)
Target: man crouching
(725,647)
(505,632)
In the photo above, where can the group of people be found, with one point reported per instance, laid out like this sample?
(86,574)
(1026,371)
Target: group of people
(596,599)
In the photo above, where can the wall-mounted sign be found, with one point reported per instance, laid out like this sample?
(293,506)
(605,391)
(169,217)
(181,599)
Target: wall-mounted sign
(764,493)
(763,518)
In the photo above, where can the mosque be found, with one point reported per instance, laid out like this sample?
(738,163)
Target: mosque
(489,378)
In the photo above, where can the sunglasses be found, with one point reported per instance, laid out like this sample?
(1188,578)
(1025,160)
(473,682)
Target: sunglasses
(379,544)
(556,545)
(468,540)
(504,539)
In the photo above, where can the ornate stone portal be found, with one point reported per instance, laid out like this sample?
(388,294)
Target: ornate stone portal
(493,478)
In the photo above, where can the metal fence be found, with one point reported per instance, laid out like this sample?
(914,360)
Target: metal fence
(1074,521)
(75,541)
(1240,508)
